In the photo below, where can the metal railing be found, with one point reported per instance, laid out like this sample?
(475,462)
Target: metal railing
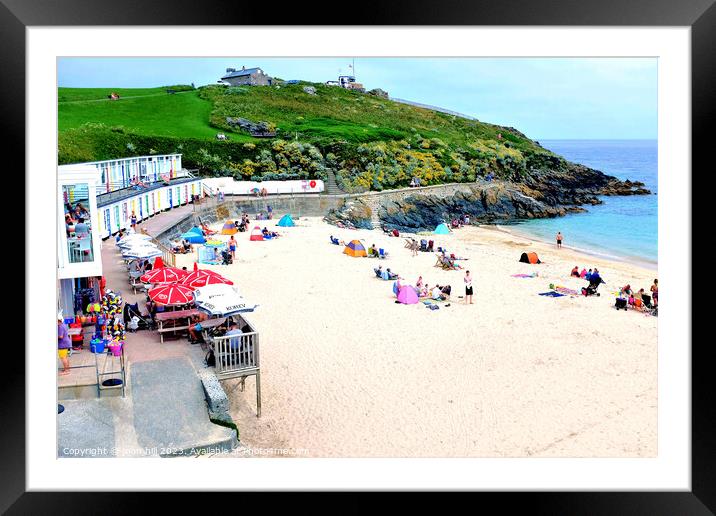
(168,256)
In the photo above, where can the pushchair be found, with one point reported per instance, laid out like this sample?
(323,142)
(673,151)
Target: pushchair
(142,323)
(423,245)
(591,289)
(226,258)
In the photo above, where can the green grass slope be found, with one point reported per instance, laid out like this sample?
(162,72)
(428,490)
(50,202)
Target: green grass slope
(368,142)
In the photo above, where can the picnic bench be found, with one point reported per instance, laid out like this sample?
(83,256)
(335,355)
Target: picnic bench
(210,324)
(171,321)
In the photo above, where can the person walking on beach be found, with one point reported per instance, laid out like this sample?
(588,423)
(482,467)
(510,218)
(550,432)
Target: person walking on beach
(133,221)
(559,240)
(468,288)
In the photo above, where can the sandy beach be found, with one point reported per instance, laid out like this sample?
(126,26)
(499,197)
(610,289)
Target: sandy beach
(347,372)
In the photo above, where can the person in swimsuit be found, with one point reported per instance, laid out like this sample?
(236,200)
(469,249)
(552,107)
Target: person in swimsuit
(232,247)
(655,292)
(559,239)
(133,221)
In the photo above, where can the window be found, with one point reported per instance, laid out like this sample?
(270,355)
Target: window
(78,222)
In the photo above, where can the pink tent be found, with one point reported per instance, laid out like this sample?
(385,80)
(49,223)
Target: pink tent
(407,295)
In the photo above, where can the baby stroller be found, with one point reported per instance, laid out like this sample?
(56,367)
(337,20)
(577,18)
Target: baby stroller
(591,289)
(140,323)
(423,245)
(226,258)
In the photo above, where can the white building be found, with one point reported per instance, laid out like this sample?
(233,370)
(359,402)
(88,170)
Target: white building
(79,263)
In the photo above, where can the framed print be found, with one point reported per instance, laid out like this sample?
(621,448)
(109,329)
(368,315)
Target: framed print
(419,251)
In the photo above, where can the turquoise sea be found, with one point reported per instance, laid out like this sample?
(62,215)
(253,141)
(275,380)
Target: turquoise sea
(622,227)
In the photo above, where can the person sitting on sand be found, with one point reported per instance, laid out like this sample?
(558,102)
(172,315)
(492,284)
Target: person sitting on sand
(188,248)
(575,272)
(446,290)
(334,240)
(425,291)
(638,299)
(176,246)
(583,274)
(373,251)
(588,276)
(419,283)
(391,275)
(378,271)
(437,293)
(626,291)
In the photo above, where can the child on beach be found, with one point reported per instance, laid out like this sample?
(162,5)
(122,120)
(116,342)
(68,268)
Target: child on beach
(468,288)
(655,292)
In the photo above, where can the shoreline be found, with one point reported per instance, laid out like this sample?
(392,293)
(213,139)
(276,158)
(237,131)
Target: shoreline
(602,255)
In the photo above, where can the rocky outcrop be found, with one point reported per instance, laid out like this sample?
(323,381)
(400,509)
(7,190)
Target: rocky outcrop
(377,92)
(539,193)
(255,128)
(310,90)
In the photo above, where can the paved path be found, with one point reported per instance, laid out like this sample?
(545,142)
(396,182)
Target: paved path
(164,412)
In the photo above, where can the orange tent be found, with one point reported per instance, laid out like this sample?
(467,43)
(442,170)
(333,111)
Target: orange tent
(355,248)
(529,258)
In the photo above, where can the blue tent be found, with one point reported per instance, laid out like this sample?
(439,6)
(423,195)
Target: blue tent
(442,229)
(286,221)
(197,230)
(193,238)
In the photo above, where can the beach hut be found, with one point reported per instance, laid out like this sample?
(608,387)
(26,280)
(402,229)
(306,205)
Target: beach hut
(256,234)
(407,295)
(529,258)
(442,229)
(355,248)
(229,228)
(286,221)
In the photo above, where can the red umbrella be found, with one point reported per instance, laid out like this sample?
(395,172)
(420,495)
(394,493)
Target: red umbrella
(204,277)
(164,275)
(158,263)
(172,294)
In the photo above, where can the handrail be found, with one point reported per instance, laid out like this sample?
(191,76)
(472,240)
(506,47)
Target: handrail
(168,255)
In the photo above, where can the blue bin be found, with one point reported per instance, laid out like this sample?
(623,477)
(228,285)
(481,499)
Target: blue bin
(97,346)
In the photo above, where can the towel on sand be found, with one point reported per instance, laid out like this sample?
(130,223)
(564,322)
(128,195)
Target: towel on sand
(551,293)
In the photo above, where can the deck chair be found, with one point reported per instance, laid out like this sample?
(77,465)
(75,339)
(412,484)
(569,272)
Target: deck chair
(382,253)
(408,243)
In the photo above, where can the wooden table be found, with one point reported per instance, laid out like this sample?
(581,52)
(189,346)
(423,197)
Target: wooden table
(209,324)
(162,317)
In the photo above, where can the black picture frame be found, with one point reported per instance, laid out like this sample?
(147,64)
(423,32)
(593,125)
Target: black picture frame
(700,15)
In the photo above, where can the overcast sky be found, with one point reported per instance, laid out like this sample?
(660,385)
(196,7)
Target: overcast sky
(545,98)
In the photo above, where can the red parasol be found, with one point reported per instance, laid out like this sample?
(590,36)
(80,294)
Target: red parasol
(158,263)
(172,294)
(204,277)
(164,275)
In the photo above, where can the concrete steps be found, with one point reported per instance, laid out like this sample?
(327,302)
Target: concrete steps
(332,185)
(373,202)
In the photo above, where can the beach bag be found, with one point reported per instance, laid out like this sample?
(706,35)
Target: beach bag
(620,303)
(210,359)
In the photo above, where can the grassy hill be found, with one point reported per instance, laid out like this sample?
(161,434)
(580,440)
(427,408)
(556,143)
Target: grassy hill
(368,142)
